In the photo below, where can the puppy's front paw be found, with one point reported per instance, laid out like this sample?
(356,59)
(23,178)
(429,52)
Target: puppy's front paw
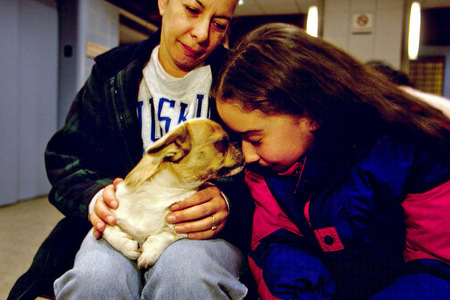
(155,245)
(130,249)
(148,259)
(122,242)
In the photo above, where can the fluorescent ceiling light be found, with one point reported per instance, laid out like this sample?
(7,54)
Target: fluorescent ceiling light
(414,31)
(312,21)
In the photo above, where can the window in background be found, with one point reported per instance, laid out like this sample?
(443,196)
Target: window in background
(427,74)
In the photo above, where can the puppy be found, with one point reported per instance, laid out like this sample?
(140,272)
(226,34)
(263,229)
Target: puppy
(172,169)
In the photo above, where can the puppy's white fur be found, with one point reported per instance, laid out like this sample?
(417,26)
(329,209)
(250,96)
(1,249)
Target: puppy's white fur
(171,170)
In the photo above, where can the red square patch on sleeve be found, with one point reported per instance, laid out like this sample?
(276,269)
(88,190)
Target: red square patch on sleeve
(328,239)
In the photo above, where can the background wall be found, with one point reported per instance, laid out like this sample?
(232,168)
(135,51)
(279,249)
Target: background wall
(386,37)
(102,28)
(45,60)
(28,85)
(42,68)
(81,21)
(381,40)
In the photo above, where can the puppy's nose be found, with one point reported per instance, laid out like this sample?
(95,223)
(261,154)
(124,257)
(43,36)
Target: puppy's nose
(239,156)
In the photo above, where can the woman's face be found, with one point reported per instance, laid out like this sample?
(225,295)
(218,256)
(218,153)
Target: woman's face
(191,30)
(273,141)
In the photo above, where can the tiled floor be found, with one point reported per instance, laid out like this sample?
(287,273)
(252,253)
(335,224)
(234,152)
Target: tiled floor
(23,227)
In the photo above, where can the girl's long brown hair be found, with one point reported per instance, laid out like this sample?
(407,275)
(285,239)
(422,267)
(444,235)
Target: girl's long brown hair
(278,68)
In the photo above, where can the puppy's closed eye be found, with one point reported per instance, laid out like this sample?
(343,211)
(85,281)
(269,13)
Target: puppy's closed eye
(222,145)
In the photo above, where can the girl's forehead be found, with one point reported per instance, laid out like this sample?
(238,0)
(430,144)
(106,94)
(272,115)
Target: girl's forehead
(249,122)
(235,117)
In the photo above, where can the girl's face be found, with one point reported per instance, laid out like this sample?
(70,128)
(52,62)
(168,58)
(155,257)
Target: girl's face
(191,30)
(273,141)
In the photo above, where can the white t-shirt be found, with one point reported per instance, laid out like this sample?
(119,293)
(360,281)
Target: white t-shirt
(165,101)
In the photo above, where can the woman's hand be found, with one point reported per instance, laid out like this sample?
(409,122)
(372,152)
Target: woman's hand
(194,215)
(101,214)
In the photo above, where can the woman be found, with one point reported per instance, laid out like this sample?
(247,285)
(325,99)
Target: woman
(350,175)
(134,95)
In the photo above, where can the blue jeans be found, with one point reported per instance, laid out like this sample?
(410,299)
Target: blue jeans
(187,269)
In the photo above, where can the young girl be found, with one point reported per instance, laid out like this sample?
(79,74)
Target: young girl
(350,175)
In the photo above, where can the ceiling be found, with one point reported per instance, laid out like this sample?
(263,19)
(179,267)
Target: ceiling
(271,7)
(148,9)
(149,19)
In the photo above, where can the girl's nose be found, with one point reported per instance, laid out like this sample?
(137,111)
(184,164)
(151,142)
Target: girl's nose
(250,154)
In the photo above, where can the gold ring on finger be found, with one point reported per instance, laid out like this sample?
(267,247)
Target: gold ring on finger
(214,223)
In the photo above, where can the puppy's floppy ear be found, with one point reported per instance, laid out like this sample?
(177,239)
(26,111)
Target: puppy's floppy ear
(173,146)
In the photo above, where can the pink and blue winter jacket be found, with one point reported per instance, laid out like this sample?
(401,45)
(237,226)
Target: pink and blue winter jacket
(346,224)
